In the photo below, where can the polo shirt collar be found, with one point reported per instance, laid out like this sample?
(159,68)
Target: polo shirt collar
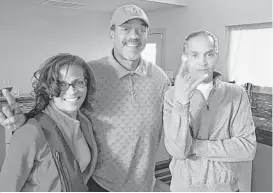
(142,68)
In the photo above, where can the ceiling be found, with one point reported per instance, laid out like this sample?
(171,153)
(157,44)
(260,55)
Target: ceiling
(107,5)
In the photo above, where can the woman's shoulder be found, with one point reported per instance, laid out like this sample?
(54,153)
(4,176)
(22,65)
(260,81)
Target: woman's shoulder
(29,134)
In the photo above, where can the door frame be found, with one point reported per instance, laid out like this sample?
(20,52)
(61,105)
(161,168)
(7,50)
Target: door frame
(161,31)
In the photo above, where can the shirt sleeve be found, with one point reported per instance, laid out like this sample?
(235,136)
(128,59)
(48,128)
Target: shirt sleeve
(20,158)
(242,144)
(178,139)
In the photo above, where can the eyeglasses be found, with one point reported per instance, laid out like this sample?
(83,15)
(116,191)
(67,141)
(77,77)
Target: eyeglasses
(77,84)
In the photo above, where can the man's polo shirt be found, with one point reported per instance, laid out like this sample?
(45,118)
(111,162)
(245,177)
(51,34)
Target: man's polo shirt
(127,121)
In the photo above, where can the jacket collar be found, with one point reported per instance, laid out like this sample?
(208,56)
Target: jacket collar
(216,75)
(66,124)
(142,68)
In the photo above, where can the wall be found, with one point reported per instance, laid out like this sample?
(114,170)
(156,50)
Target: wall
(262,169)
(32,33)
(212,15)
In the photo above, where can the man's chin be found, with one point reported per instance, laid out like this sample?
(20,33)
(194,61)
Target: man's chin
(131,57)
(131,54)
(206,80)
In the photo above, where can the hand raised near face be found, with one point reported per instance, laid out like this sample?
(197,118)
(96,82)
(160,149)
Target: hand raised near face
(185,84)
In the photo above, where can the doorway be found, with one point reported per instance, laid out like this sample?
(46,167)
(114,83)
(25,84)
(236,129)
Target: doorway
(153,49)
(153,53)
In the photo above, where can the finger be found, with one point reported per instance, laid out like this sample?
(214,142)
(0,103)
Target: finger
(10,99)
(8,136)
(14,122)
(9,122)
(199,80)
(8,133)
(2,117)
(184,58)
(185,70)
(187,77)
(8,112)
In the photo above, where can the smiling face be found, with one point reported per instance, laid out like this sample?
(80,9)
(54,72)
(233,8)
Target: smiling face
(202,57)
(129,39)
(71,99)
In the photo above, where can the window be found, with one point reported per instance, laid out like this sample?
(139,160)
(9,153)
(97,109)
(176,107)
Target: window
(149,53)
(249,56)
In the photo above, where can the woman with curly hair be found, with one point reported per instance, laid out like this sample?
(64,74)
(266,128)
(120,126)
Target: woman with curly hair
(55,150)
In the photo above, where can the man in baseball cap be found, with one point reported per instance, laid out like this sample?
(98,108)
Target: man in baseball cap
(128,97)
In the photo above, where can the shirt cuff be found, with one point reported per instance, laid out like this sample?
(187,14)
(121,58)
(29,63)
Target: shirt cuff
(182,110)
(199,148)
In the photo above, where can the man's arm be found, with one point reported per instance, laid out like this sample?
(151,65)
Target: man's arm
(242,144)
(178,139)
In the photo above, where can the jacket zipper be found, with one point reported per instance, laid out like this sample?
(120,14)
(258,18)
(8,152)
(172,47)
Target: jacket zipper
(209,97)
(62,176)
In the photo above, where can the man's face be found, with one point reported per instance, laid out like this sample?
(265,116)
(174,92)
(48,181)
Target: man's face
(202,57)
(130,39)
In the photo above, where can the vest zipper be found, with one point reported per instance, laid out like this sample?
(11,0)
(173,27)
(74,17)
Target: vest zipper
(60,168)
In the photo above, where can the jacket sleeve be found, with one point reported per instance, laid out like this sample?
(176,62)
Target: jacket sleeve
(178,139)
(242,144)
(19,159)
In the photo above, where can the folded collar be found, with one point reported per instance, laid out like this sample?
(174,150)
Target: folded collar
(66,124)
(142,68)
(216,75)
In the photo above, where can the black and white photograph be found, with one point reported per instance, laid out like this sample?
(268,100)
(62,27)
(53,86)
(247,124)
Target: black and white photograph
(136,95)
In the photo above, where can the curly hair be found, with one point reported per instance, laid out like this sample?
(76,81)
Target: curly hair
(205,33)
(46,81)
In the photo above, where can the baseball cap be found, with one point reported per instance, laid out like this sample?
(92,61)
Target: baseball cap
(127,12)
